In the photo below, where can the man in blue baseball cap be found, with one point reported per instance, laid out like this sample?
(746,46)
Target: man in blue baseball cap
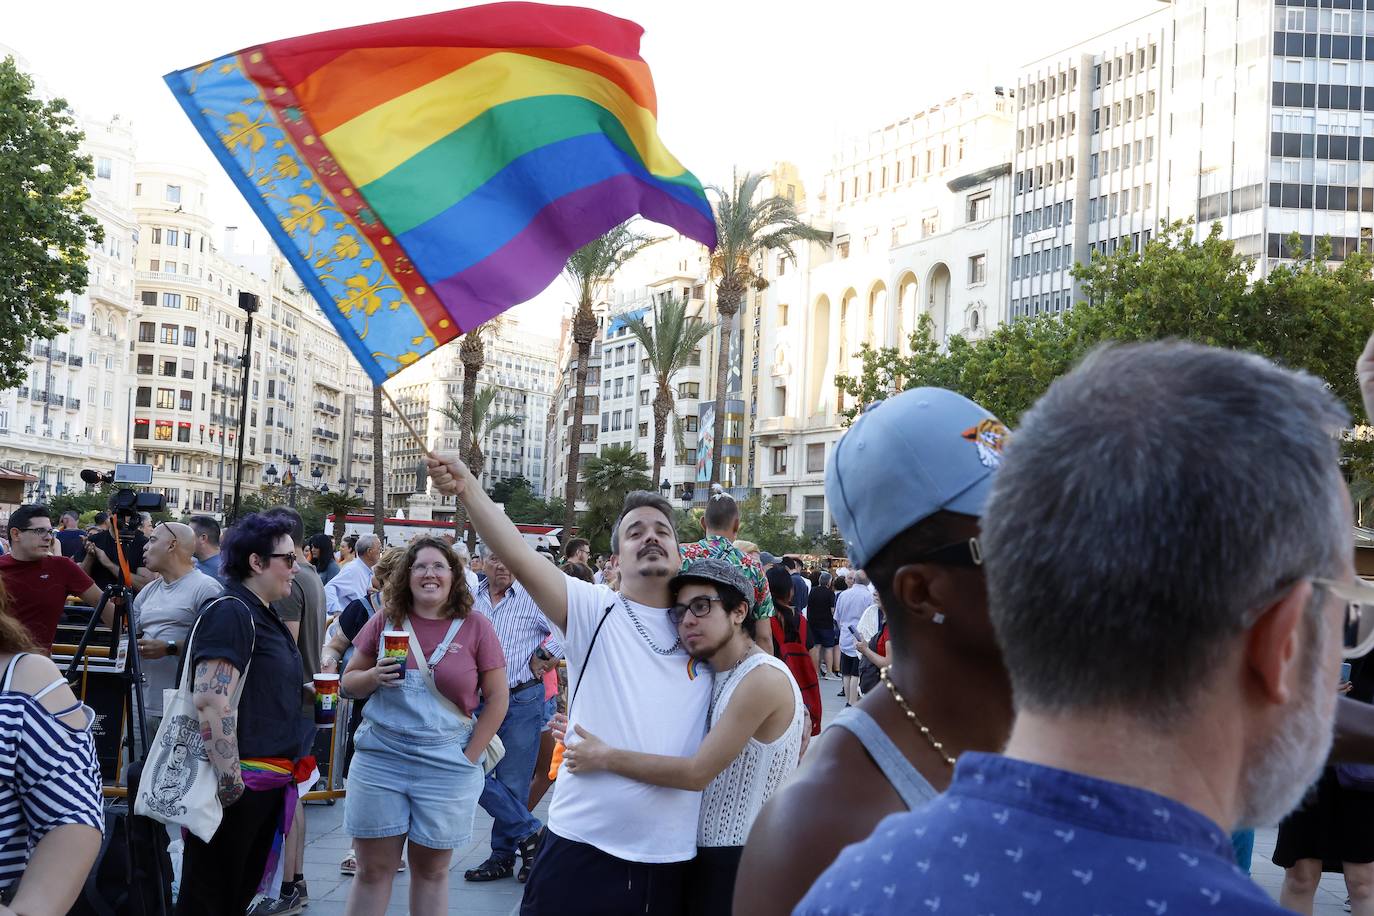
(906,485)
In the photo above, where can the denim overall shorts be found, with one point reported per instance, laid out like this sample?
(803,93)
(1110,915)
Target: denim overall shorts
(409,773)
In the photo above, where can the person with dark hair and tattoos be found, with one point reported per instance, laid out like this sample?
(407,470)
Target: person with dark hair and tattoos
(251,726)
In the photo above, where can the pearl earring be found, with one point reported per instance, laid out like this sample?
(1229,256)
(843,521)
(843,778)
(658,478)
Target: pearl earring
(938,618)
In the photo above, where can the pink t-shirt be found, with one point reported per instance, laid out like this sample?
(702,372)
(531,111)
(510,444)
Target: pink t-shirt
(474,650)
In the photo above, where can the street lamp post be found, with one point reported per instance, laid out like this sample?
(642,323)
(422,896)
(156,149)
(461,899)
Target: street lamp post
(295,463)
(249,303)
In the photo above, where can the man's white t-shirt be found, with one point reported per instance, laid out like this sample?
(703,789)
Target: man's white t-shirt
(631,697)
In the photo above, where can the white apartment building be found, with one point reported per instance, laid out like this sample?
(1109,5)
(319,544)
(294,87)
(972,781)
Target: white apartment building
(620,384)
(521,365)
(72,412)
(188,336)
(919,215)
(1090,170)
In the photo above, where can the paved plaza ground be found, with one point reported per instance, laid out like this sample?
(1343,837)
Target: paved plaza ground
(327,843)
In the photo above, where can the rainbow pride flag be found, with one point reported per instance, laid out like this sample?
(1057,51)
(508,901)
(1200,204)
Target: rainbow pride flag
(426,174)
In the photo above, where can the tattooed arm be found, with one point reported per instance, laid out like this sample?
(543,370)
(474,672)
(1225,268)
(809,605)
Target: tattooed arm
(213,686)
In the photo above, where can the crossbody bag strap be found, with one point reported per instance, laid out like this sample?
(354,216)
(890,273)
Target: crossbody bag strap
(189,655)
(588,657)
(423,665)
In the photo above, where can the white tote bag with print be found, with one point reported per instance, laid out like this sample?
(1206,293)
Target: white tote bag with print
(179,785)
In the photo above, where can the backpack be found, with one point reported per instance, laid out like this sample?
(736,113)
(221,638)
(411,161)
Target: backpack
(792,653)
(869,673)
(132,875)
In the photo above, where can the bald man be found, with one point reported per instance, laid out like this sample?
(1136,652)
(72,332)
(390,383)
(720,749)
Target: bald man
(166,608)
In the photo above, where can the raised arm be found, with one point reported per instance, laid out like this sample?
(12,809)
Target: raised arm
(763,694)
(546,583)
(214,682)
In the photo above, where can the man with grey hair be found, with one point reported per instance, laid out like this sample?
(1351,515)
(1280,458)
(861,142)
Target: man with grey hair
(1169,585)
(165,609)
(353,579)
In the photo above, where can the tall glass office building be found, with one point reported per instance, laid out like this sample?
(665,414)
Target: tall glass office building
(1258,114)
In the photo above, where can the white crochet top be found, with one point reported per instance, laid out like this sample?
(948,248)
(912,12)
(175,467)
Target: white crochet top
(734,798)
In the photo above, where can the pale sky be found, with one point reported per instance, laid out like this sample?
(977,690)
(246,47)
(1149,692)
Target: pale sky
(740,82)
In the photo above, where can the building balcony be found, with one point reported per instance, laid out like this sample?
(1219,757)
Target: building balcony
(776,426)
(77,319)
(148,276)
(76,362)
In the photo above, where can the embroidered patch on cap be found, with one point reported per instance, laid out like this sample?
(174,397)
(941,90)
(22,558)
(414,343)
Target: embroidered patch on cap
(990,437)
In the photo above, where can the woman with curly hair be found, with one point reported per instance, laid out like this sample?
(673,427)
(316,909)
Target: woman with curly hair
(417,764)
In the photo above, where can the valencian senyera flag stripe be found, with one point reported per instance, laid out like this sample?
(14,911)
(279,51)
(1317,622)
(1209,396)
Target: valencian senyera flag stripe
(426,174)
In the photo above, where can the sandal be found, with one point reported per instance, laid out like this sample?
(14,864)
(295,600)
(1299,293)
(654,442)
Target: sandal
(493,869)
(529,848)
(349,865)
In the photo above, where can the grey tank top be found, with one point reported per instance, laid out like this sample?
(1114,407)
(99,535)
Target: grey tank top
(904,777)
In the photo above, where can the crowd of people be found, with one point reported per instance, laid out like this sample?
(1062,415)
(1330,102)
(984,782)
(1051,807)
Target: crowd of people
(1079,662)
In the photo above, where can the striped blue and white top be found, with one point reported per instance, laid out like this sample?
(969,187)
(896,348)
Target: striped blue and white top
(48,774)
(520,627)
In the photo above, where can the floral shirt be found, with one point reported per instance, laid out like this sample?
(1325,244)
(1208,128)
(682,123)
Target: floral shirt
(715,547)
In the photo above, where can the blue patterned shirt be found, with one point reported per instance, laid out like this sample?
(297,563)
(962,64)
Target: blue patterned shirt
(1011,837)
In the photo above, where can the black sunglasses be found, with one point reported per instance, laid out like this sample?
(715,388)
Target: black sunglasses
(700,606)
(962,553)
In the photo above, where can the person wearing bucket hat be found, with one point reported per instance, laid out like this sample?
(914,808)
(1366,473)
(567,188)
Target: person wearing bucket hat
(755,722)
(906,485)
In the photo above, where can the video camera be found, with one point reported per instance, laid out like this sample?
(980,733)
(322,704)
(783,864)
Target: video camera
(127,503)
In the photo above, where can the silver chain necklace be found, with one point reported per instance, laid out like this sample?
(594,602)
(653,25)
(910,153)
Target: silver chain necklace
(644,633)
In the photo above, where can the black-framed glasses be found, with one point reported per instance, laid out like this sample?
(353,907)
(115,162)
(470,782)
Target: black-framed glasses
(700,606)
(290,558)
(961,553)
(41,532)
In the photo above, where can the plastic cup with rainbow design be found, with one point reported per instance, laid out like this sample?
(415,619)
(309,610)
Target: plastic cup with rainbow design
(326,698)
(396,644)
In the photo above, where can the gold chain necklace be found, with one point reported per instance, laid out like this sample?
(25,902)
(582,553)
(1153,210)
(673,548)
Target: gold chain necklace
(911,715)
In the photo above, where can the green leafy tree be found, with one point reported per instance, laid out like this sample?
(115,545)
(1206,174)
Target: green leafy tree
(590,266)
(772,530)
(608,477)
(44,228)
(689,525)
(1308,314)
(484,421)
(516,495)
(83,501)
(670,345)
(340,504)
(748,226)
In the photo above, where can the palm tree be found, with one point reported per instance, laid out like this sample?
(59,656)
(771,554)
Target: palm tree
(378,486)
(338,503)
(608,477)
(472,352)
(589,267)
(484,423)
(669,346)
(745,228)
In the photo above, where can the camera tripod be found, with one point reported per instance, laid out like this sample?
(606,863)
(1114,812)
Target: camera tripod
(130,677)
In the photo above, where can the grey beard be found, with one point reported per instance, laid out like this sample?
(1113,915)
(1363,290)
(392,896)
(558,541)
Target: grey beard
(1279,772)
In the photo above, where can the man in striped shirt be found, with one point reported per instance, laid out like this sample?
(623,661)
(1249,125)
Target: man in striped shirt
(522,629)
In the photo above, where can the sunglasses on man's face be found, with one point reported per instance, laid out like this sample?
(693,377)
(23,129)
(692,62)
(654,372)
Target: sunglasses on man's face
(700,606)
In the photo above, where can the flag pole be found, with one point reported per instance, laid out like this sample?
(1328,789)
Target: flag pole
(405,421)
